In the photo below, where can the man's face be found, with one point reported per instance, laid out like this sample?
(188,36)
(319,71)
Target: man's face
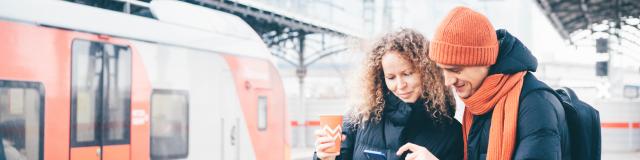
(464,79)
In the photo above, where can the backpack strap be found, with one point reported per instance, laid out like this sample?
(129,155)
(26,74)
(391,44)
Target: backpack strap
(532,84)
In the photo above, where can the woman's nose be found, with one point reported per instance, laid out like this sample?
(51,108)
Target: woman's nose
(401,83)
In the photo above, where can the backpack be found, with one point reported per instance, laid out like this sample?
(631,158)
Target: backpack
(582,119)
(584,125)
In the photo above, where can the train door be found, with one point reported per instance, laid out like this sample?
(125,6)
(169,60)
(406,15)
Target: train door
(230,132)
(101,101)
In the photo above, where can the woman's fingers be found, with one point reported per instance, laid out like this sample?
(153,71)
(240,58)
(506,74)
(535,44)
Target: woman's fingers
(324,146)
(319,133)
(324,155)
(324,139)
(324,142)
(321,137)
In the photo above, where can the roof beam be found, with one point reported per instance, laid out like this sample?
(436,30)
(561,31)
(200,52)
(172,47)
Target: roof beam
(247,11)
(544,5)
(584,7)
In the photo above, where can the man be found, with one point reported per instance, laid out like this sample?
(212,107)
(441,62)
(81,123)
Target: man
(489,71)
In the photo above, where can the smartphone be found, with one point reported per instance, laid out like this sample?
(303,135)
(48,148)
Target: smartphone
(374,155)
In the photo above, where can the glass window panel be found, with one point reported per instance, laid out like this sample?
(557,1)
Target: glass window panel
(169,124)
(262,113)
(20,127)
(119,94)
(86,82)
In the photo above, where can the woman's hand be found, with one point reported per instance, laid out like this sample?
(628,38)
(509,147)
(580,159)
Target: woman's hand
(417,152)
(324,142)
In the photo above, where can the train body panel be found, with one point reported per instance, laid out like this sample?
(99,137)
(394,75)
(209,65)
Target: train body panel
(261,86)
(111,93)
(215,118)
(19,56)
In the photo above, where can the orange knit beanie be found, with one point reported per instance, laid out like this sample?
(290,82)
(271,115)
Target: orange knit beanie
(465,37)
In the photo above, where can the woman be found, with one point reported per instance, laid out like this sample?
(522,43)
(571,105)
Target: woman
(405,106)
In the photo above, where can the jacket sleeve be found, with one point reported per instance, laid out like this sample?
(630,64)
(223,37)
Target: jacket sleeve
(347,146)
(538,133)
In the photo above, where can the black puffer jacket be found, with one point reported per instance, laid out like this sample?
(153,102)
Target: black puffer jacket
(402,123)
(542,131)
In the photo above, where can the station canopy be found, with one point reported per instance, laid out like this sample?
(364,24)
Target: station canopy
(572,16)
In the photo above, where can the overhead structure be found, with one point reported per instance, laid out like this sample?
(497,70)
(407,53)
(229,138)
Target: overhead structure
(569,16)
(611,27)
(608,25)
(265,19)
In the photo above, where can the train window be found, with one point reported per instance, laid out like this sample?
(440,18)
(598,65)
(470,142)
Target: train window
(117,110)
(262,112)
(21,126)
(101,94)
(169,124)
(86,91)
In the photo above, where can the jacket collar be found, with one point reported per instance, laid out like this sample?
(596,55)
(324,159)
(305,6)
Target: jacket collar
(399,112)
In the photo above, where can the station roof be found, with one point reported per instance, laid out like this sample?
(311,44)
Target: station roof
(569,16)
(264,15)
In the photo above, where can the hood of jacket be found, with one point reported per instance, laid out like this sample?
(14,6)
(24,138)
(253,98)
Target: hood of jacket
(513,56)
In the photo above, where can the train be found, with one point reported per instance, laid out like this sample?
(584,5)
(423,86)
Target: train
(81,82)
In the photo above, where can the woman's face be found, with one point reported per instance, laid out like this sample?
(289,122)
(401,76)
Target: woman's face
(401,77)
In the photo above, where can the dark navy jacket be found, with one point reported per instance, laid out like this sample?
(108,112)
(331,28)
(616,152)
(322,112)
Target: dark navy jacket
(402,123)
(542,131)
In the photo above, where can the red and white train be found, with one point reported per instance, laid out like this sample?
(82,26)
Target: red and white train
(84,83)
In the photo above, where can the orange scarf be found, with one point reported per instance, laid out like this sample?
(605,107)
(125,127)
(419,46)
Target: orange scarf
(501,93)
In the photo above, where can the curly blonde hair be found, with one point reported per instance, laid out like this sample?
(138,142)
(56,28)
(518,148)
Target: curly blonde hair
(412,46)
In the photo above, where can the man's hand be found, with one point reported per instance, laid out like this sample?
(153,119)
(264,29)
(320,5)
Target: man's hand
(417,152)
